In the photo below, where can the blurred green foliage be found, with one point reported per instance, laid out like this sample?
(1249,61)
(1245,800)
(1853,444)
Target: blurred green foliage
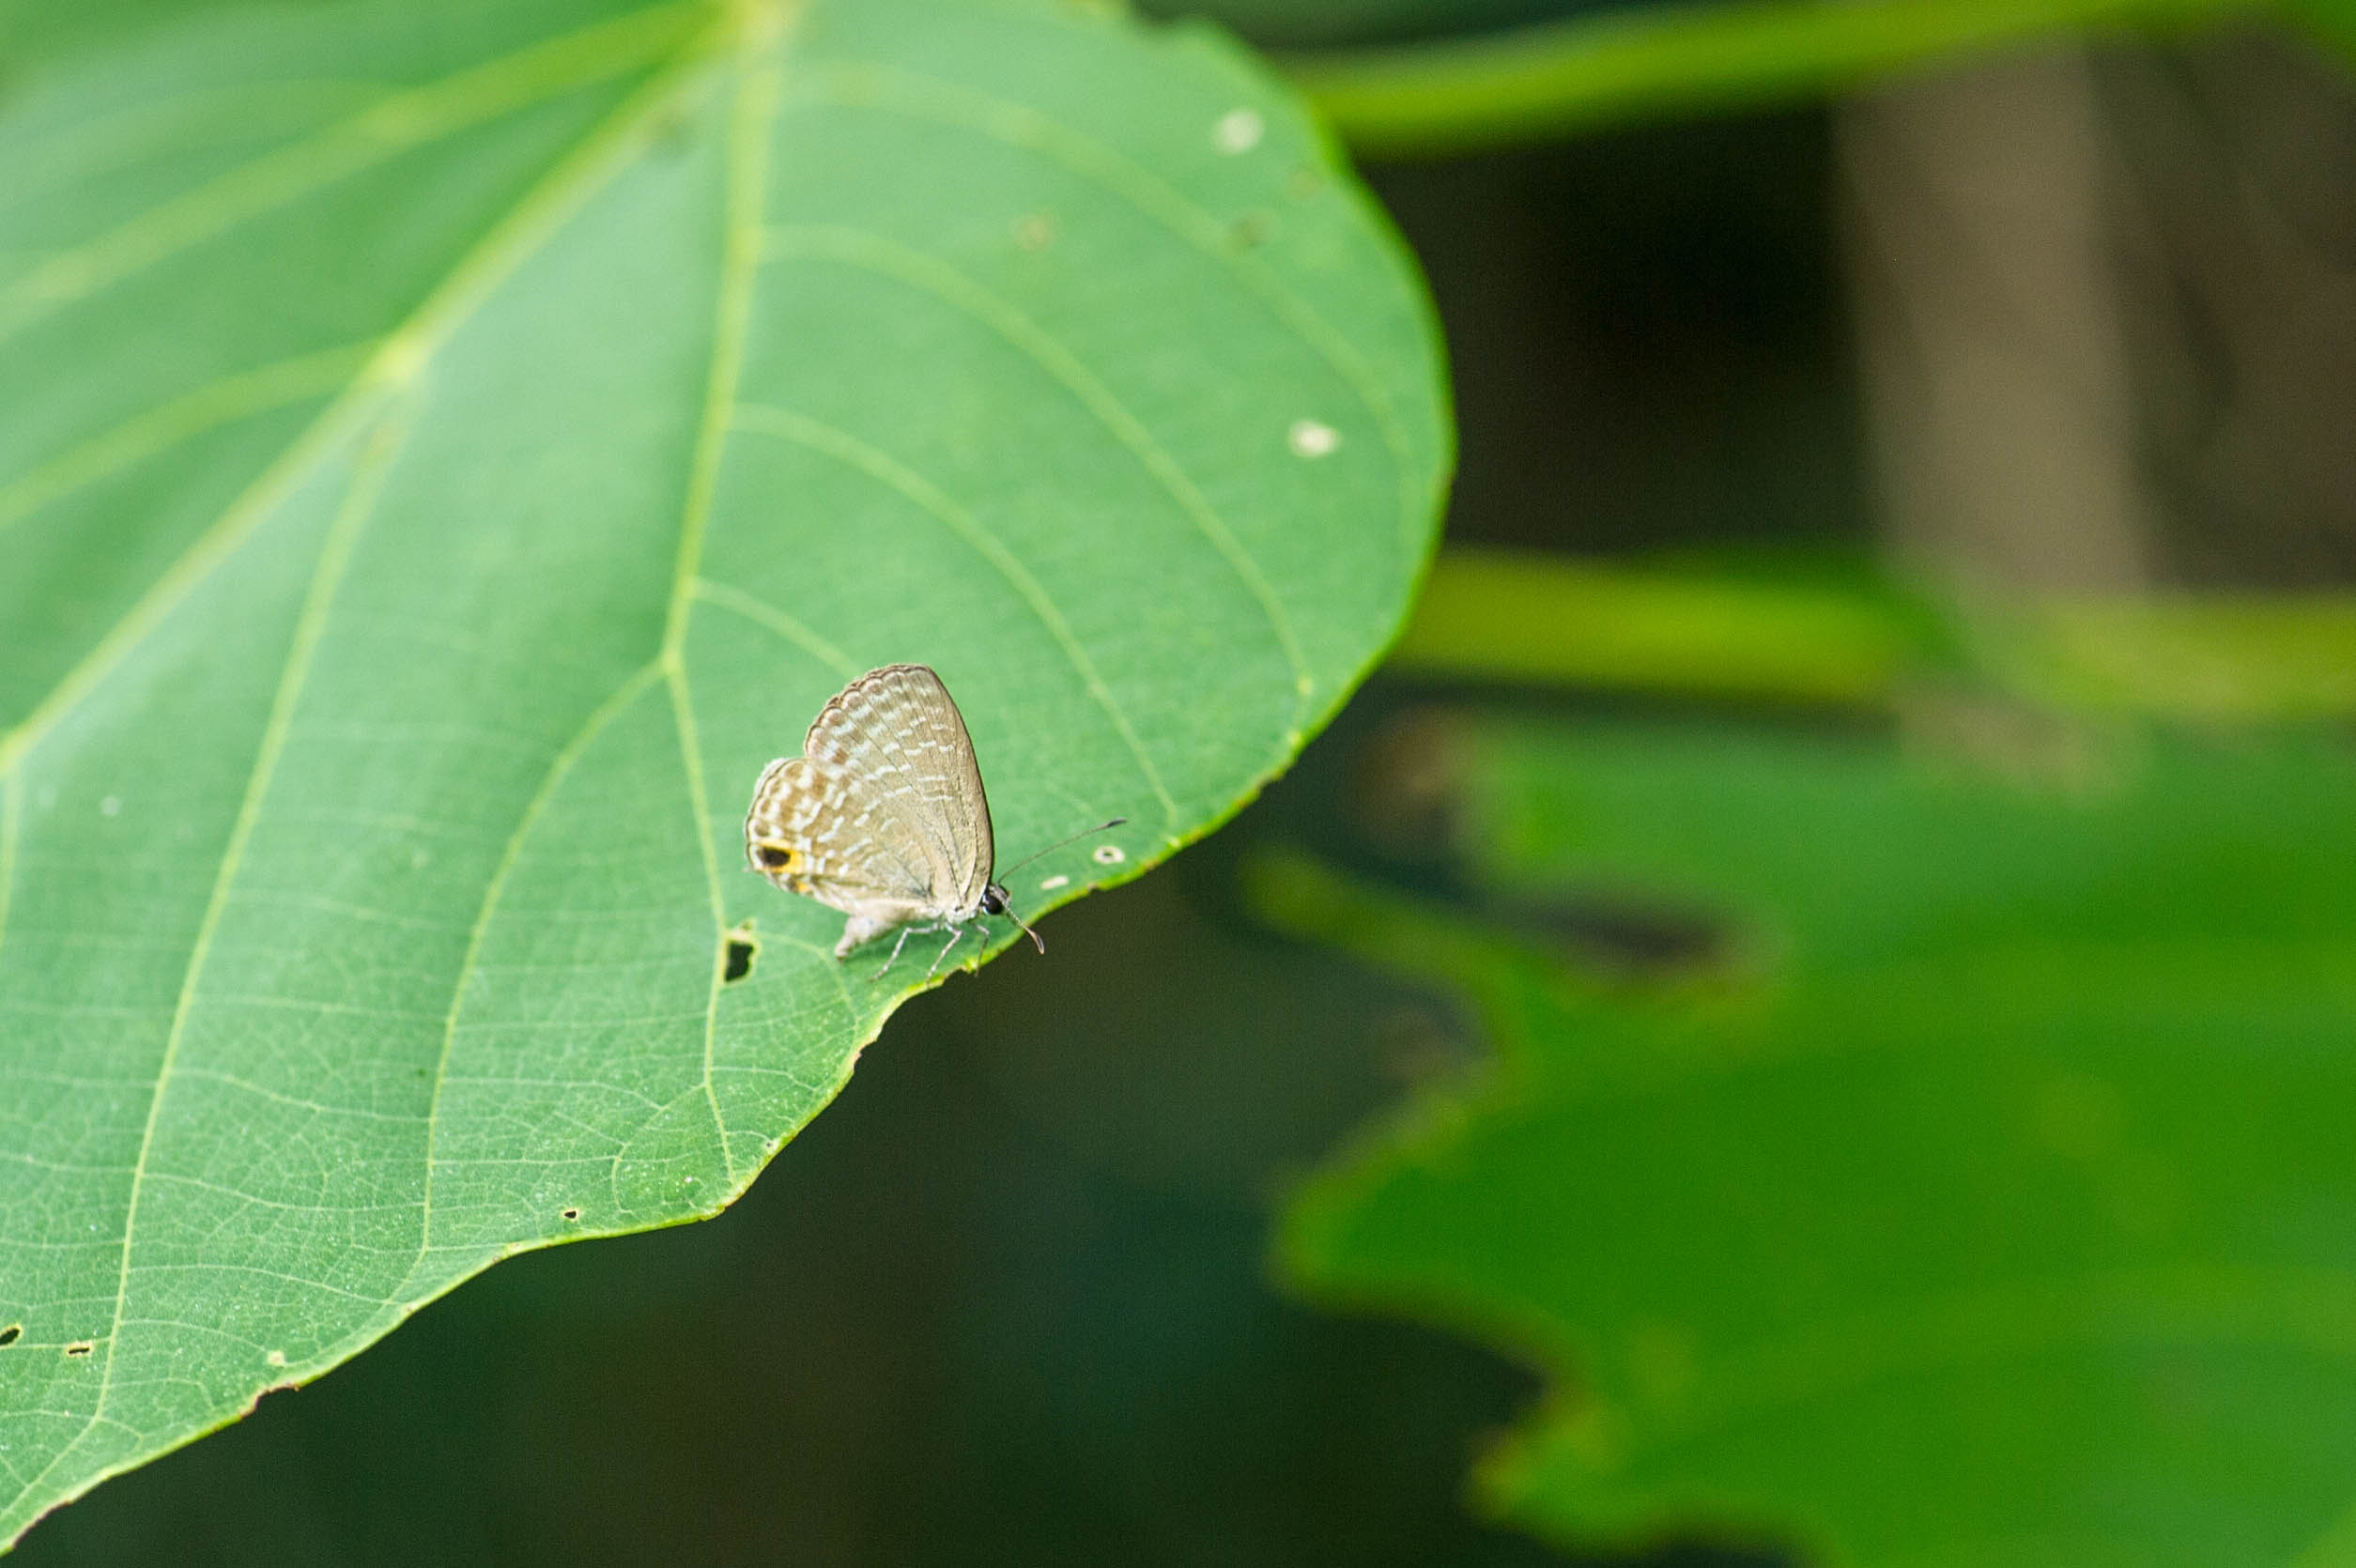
(1958,1171)
(1916,1132)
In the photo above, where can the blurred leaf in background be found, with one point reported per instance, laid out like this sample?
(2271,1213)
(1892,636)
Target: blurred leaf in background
(1972,1183)
(1916,1132)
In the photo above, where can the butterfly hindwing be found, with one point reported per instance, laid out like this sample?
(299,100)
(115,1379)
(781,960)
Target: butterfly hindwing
(809,831)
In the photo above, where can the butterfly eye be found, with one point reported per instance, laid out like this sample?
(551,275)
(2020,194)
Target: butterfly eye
(772,858)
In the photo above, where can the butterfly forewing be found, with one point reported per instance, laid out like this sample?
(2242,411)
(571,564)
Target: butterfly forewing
(897,736)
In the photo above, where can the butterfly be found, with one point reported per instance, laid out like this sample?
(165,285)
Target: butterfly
(884,816)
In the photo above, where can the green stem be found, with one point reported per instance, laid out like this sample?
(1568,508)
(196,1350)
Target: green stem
(1494,615)
(1504,616)
(1498,89)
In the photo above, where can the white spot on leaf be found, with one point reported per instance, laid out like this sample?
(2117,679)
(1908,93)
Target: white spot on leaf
(1051,883)
(1237,131)
(1310,438)
(110,806)
(1109,854)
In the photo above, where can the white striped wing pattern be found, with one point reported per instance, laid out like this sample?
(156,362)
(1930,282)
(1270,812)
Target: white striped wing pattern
(883,816)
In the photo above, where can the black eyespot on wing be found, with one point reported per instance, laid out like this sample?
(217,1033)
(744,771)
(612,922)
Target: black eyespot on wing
(772,858)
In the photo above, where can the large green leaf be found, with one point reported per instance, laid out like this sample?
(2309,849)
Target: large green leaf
(1990,1198)
(445,449)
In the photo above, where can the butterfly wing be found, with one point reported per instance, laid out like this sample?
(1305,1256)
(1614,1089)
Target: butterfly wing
(897,730)
(814,829)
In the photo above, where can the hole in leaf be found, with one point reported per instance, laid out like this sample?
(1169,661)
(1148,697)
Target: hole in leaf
(80,1347)
(9,1334)
(741,948)
(572,1213)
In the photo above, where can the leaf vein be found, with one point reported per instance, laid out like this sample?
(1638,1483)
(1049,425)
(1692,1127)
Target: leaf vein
(337,545)
(294,1102)
(889,89)
(888,472)
(143,435)
(763,614)
(749,113)
(389,126)
(400,359)
(560,766)
(888,258)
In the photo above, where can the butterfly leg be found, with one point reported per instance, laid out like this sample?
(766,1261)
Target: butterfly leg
(955,933)
(905,932)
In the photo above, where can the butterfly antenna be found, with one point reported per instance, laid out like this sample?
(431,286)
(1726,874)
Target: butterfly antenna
(1007,910)
(1059,844)
(1026,929)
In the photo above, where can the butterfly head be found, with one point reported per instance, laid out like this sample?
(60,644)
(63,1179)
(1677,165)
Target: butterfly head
(993,902)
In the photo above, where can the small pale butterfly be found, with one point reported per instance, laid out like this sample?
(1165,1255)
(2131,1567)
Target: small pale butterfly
(883,816)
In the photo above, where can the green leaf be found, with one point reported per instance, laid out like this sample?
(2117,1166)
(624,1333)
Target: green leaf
(2332,23)
(449,449)
(1988,1199)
